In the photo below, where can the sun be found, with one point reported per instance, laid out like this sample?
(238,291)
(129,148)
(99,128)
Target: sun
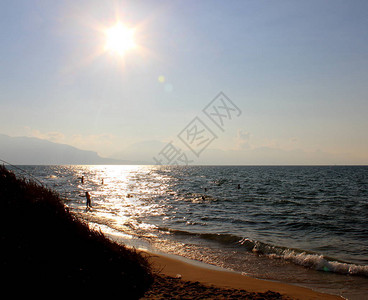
(119,39)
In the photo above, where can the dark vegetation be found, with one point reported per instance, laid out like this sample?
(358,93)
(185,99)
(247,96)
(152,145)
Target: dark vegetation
(45,247)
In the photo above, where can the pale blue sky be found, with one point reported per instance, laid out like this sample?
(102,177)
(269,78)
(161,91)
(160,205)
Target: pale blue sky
(298,70)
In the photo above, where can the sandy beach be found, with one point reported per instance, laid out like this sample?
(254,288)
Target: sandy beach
(189,278)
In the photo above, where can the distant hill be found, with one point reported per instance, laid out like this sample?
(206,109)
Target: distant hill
(34,151)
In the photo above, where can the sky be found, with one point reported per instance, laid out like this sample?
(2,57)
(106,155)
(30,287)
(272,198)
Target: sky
(292,74)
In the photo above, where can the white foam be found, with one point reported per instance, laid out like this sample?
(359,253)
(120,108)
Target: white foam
(319,262)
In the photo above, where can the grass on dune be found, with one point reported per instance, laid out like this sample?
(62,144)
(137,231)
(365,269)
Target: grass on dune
(44,245)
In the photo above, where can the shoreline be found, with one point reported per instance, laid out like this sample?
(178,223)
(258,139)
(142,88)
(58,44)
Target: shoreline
(106,258)
(186,269)
(175,267)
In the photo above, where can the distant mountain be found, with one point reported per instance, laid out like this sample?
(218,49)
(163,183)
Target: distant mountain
(34,151)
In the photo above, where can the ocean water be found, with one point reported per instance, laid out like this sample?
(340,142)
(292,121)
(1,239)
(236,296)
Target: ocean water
(302,225)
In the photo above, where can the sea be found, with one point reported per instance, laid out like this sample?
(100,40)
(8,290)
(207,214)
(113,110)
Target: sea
(303,225)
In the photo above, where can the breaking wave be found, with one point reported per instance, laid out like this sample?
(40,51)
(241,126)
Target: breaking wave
(296,256)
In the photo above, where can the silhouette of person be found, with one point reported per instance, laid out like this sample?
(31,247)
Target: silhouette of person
(238,186)
(82,179)
(88,200)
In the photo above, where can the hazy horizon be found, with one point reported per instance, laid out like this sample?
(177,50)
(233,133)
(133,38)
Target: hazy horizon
(194,82)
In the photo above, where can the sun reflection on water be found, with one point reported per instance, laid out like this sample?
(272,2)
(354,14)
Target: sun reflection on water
(122,195)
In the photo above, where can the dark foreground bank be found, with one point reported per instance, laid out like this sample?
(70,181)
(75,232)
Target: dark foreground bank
(45,247)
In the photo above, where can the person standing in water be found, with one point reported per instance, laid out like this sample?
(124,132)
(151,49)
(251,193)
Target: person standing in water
(88,200)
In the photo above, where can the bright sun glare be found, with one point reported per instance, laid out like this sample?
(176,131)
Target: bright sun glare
(119,39)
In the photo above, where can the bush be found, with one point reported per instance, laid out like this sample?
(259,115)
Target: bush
(44,245)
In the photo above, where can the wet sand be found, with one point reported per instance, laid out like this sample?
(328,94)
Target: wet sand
(177,279)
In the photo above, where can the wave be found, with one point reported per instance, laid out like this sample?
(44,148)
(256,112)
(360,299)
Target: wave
(320,263)
(299,257)
(307,259)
